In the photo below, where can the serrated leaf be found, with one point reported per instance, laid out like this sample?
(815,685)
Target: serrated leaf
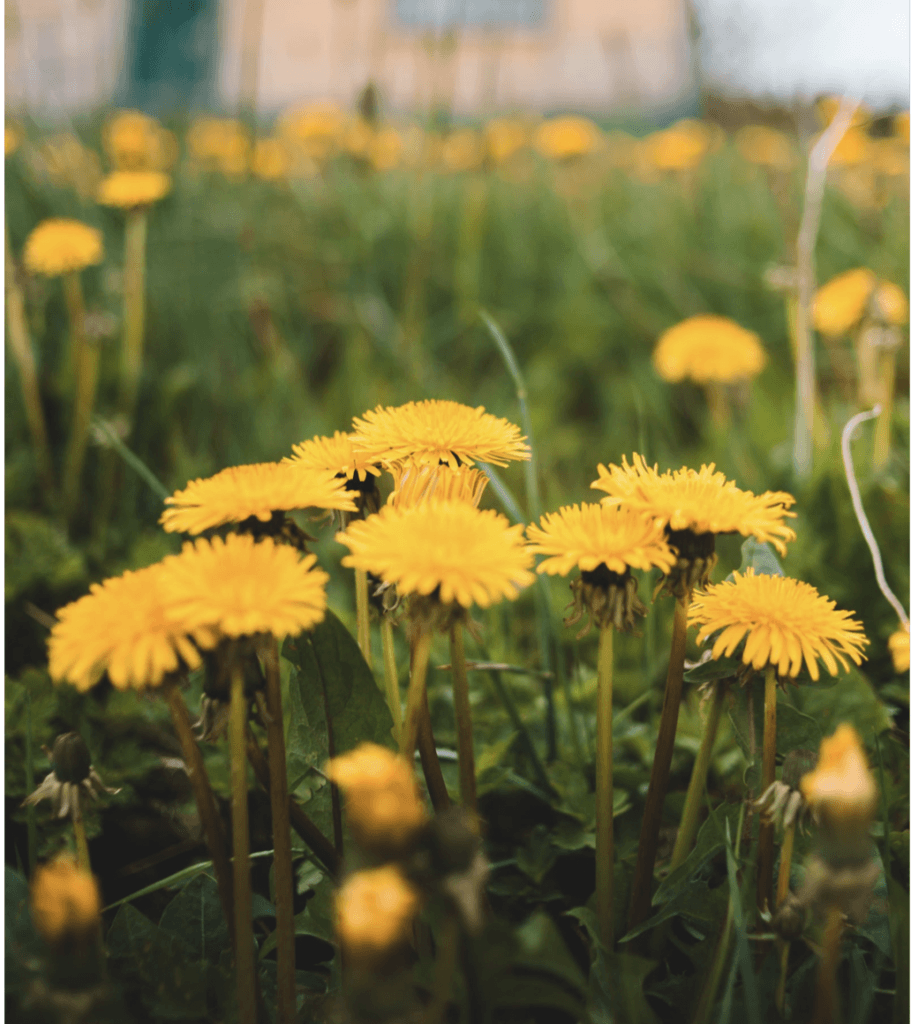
(710,840)
(196,918)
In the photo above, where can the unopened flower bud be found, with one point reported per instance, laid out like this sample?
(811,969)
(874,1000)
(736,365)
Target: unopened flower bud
(71,759)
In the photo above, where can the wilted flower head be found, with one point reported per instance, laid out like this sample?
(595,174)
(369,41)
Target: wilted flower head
(65,901)
(786,623)
(71,775)
(709,348)
(382,800)
(373,913)
(62,246)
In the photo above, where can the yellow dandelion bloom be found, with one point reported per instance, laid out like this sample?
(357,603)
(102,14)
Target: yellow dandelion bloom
(462,150)
(333,453)
(382,799)
(678,148)
(828,106)
(386,149)
(316,130)
(219,144)
(416,482)
(128,189)
(436,431)
(65,901)
(707,349)
(702,502)
(373,911)
(11,139)
(61,246)
(765,146)
(240,587)
(504,137)
(589,535)
(271,160)
(842,788)
(565,137)
(786,623)
(899,649)
(135,142)
(854,147)
(253,492)
(841,303)
(122,626)
(471,556)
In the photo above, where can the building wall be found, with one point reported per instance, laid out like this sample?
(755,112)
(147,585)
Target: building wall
(583,54)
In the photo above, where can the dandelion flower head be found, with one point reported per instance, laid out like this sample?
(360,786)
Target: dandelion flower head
(765,146)
(786,622)
(129,189)
(589,535)
(333,453)
(702,502)
(899,649)
(841,303)
(136,142)
(563,138)
(240,587)
(678,148)
(65,901)
(382,800)
(505,137)
(467,555)
(255,491)
(61,246)
(374,910)
(123,626)
(415,482)
(437,431)
(709,348)
(219,144)
(842,788)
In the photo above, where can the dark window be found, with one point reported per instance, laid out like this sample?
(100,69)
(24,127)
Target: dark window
(442,14)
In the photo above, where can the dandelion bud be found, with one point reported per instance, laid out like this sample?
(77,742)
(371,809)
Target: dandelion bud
(373,912)
(841,789)
(71,758)
(65,901)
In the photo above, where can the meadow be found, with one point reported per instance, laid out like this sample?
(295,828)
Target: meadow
(269,290)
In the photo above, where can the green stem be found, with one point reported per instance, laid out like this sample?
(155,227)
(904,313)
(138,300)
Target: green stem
(430,763)
(134,272)
(826,1008)
(31,826)
(245,957)
(281,841)
(82,844)
(767,831)
(886,386)
(444,969)
(212,826)
(641,896)
(784,884)
(693,804)
(362,602)
(464,736)
(393,697)
(604,787)
(420,656)
(85,364)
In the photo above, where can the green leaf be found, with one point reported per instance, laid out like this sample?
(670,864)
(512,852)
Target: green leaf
(710,840)
(314,920)
(38,551)
(713,668)
(617,989)
(760,557)
(195,916)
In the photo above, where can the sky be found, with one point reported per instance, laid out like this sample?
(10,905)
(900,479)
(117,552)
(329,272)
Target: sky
(784,48)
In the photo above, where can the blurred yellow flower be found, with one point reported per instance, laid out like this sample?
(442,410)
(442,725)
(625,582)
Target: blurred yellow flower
(335,453)
(678,148)
(435,431)
(318,130)
(240,587)
(562,138)
(382,800)
(827,107)
(588,535)
(853,148)
(271,161)
(842,789)
(765,146)
(786,623)
(462,150)
(61,246)
(386,149)
(373,912)
(220,144)
(702,502)
(467,555)
(416,482)
(504,137)
(122,627)
(12,137)
(899,649)
(841,303)
(65,901)
(256,491)
(136,142)
(900,127)
(709,348)
(128,189)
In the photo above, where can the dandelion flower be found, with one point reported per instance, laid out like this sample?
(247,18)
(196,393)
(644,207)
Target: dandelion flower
(255,491)
(678,148)
(122,626)
(271,160)
(60,246)
(373,912)
(840,304)
(436,431)
(462,150)
(382,800)
(220,144)
(415,482)
(11,139)
(468,556)
(786,623)
(563,138)
(386,149)
(701,502)
(842,789)
(504,138)
(708,349)
(899,649)
(240,587)
(765,146)
(129,189)
(65,901)
(136,142)
(333,453)
(589,535)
